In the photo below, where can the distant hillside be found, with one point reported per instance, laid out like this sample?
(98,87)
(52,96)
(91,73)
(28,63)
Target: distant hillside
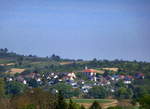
(54,63)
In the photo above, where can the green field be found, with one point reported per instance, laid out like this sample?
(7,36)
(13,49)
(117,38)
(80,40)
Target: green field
(5,61)
(90,100)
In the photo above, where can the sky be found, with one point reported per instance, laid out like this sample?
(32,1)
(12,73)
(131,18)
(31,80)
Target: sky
(77,29)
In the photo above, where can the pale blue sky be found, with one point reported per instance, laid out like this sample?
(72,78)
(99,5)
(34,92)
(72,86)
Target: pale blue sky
(103,29)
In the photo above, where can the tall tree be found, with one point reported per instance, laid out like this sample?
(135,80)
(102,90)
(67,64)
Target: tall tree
(5,50)
(71,106)
(95,105)
(82,107)
(61,104)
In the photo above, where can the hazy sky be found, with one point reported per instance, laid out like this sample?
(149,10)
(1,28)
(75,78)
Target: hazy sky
(103,29)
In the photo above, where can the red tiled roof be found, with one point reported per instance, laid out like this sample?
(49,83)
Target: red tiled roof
(130,76)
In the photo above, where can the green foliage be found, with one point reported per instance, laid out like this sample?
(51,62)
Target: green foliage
(61,104)
(81,76)
(2,69)
(82,107)
(97,92)
(19,60)
(2,88)
(55,58)
(71,105)
(145,102)
(95,105)
(14,88)
(120,84)
(116,107)
(30,106)
(33,83)
(66,90)
(52,64)
(124,93)
(34,98)
(139,92)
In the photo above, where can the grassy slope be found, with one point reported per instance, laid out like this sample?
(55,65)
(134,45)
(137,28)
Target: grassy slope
(90,100)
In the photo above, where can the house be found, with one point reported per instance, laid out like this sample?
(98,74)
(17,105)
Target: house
(139,76)
(122,76)
(128,78)
(91,71)
(85,88)
(9,79)
(74,85)
(71,76)
(24,82)
(91,74)
(127,82)
(20,78)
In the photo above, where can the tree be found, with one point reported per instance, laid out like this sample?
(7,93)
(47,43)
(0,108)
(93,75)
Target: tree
(33,83)
(97,92)
(61,104)
(65,89)
(116,107)
(20,60)
(71,105)
(120,83)
(95,105)
(76,92)
(145,102)
(124,93)
(2,89)
(55,58)
(139,92)
(4,104)
(14,88)
(82,107)
(5,50)
(34,98)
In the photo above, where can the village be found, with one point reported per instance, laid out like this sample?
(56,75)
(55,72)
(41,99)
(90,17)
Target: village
(83,80)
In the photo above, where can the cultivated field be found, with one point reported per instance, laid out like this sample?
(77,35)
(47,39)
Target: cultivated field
(105,103)
(15,70)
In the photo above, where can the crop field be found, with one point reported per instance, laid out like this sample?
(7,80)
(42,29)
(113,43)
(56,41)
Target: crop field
(105,103)
(15,70)
(5,61)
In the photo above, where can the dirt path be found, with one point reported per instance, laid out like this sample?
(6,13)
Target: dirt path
(111,104)
(104,105)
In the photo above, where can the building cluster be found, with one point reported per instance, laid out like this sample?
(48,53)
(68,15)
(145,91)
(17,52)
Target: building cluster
(94,78)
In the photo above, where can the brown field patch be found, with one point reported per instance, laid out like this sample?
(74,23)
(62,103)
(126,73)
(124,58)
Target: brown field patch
(103,105)
(15,70)
(65,63)
(8,64)
(111,69)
